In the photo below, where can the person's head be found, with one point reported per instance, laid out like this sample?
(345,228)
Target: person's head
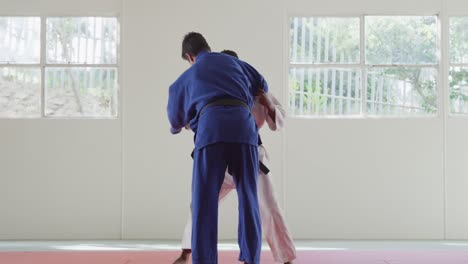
(230,52)
(193,44)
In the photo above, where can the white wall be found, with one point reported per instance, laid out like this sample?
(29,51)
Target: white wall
(60,179)
(457,178)
(129,178)
(365,179)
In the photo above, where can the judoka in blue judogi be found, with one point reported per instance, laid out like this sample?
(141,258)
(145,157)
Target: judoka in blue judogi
(215,96)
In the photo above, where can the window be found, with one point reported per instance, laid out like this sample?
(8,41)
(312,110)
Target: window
(458,72)
(78,60)
(324,73)
(402,65)
(20,74)
(399,62)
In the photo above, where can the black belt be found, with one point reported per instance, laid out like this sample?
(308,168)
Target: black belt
(224,102)
(262,166)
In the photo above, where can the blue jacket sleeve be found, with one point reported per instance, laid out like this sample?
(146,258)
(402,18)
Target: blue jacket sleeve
(176,108)
(255,78)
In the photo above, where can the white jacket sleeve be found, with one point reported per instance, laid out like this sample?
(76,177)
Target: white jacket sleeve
(261,116)
(280,114)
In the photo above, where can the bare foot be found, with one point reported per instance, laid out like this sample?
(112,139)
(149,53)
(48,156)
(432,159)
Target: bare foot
(181,260)
(184,257)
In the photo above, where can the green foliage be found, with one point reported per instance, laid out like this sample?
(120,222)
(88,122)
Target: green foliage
(458,79)
(401,40)
(459,40)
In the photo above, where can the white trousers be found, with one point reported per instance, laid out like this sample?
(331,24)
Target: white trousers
(273,224)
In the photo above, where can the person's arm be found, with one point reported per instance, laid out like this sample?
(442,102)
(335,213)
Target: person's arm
(274,112)
(280,114)
(266,102)
(176,108)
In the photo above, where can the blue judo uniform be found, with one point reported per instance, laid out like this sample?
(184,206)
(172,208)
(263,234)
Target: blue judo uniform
(226,138)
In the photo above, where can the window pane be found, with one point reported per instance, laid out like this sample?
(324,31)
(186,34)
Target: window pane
(401,40)
(20,39)
(324,40)
(89,92)
(20,92)
(91,40)
(331,91)
(459,39)
(458,79)
(400,91)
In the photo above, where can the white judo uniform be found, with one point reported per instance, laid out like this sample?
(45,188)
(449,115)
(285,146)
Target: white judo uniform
(273,224)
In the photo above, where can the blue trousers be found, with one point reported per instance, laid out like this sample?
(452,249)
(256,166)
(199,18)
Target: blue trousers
(210,164)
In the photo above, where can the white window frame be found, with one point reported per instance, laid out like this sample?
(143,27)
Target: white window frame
(441,87)
(43,65)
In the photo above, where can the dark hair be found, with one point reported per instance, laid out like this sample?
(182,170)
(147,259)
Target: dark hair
(230,52)
(193,44)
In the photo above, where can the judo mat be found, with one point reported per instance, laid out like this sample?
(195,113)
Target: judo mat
(230,257)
